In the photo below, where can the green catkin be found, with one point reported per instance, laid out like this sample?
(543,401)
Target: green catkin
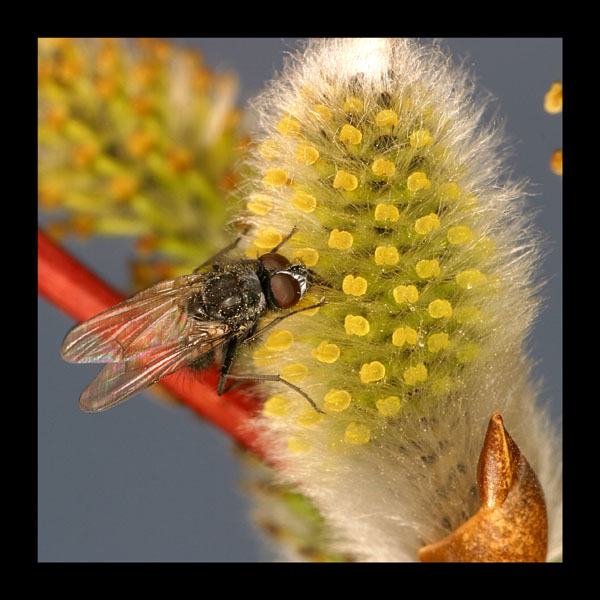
(375,151)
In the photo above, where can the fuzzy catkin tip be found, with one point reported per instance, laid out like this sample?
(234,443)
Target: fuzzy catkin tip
(375,151)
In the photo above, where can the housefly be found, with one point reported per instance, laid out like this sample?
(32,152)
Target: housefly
(187,321)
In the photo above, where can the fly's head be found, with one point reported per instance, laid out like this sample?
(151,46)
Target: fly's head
(284,284)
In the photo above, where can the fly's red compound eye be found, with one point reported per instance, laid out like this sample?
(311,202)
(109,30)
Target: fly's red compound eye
(286,290)
(274,261)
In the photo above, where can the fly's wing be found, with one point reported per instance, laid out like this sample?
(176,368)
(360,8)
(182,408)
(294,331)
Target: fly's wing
(150,318)
(118,381)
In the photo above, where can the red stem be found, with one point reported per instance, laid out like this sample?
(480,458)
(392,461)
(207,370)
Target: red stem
(71,287)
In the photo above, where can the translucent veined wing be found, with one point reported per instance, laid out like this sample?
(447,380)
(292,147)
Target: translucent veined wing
(118,381)
(152,317)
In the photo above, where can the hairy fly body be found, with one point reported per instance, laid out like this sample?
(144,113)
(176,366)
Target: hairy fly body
(187,321)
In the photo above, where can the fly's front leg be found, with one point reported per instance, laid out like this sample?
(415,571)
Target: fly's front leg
(214,258)
(226,366)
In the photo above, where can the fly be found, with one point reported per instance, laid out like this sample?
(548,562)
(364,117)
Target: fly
(184,322)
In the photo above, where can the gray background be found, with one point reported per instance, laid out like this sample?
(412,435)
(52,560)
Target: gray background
(147,483)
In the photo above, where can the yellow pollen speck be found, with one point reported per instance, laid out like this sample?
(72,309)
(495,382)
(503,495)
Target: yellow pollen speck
(386,255)
(326,352)
(354,286)
(404,335)
(437,342)
(345,180)
(386,212)
(309,418)
(259,204)
(420,138)
(356,325)
(428,268)
(289,126)
(382,167)
(337,400)
(304,202)
(268,149)
(373,371)
(280,340)
(556,162)
(353,105)
(323,112)
(275,177)
(356,433)
(553,100)
(449,191)
(296,445)
(267,239)
(470,278)
(309,256)
(294,373)
(388,407)
(277,406)
(426,224)
(406,293)
(350,135)
(342,240)
(308,155)
(386,117)
(440,308)
(418,181)
(459,235)
(415,374)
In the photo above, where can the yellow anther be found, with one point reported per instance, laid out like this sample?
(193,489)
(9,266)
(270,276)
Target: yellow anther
(289,126)
(415,374)
(123,187)
(326,352)
(341,240)
(356,325)
(323,112)
(277,406)
(428,268)
(263,357)
(309,256)
(467,353)
(420,138)
(386,255)
(386,118)
(467,314)
(296,445)
(418,181)
(354,286)
(308,155)
(308,300)
(373,371)
(275,177)
(404,335)
(449,191)
(553,99)
(556,162)
(345,180)
(259,204)
(388,407)
(437,342)
(294,373)
(354,105)
(386,212)
(267,239)
(459,235)
(304,202)
(406,293)
(382,167)
(440,308)
(350,135)
(337,400)
(268,149)
(470,278)
(309,418)
(357,433)
(426,224)
(280,340)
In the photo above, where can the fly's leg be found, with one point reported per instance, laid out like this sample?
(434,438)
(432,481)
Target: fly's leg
(227,362)
(321,302)
(223,252)
(285,239)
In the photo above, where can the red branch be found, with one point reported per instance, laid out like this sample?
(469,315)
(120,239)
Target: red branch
(71,287)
